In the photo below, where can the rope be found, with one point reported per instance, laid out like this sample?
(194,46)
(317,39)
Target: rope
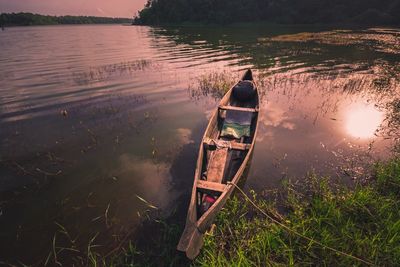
(297,233)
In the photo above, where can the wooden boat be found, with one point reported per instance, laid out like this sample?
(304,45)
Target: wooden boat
(224,152)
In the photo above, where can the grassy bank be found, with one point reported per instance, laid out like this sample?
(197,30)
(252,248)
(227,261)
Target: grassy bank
(349,227)
(363,222)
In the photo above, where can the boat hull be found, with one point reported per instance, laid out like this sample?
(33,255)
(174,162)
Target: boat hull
(192,238)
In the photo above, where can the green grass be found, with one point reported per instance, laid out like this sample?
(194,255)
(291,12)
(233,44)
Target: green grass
(363,222)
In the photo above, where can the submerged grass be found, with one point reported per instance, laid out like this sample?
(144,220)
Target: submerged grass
(363,222)
(214,84)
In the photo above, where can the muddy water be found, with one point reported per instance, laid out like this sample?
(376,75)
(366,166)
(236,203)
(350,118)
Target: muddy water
(100,125)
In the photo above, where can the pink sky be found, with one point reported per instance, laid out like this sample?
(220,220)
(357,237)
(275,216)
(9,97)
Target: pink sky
(105,8)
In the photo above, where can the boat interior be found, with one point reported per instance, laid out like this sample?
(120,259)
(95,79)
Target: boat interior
(227,142)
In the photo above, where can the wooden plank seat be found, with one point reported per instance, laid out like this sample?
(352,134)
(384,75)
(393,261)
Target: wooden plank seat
(238,108)
(226,144)
(210,186)
(216,166)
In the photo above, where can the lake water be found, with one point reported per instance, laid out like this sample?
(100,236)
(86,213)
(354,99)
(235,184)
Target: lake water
(100,123)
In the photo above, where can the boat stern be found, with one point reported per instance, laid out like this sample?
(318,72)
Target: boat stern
(191,241)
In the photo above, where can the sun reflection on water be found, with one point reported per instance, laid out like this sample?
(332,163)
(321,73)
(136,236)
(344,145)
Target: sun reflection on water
(363,120)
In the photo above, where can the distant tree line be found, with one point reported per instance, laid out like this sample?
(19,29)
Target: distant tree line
(372,12)
(26,19)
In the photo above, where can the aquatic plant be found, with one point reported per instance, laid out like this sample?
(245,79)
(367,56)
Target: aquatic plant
(214,84)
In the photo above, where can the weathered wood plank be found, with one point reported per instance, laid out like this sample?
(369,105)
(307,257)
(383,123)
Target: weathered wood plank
(239,108)
(211,186)
(227,144)
(240,146)
(191,241)
(216,166)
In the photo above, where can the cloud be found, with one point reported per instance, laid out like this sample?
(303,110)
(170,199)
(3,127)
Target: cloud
(101,11)
(288,125)
(184,136)
(116,8)
(275,116)
(149,180)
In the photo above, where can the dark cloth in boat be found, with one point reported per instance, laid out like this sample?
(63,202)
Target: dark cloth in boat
(237,124)
(244,91)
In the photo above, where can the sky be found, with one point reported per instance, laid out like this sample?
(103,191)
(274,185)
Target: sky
(104,8)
